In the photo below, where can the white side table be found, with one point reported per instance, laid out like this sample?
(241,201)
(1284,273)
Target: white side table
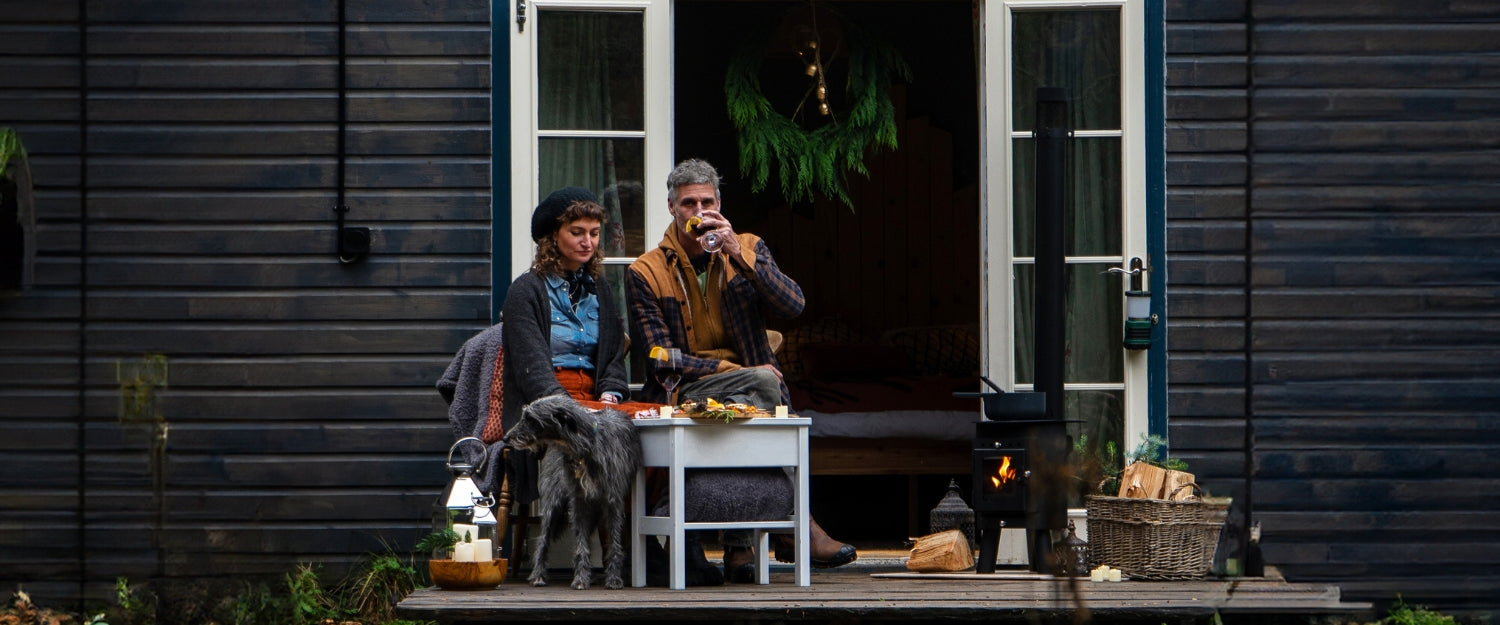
(680,444)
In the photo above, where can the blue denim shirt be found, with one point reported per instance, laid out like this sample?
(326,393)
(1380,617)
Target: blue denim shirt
(575,330)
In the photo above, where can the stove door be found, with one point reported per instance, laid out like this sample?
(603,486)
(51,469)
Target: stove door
(1000,476)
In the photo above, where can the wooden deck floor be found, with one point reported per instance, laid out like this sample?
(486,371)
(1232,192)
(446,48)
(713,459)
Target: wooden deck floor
(883,591)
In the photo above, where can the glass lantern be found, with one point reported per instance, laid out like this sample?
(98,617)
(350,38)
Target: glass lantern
(466,510)
(1072,553)
(953,513)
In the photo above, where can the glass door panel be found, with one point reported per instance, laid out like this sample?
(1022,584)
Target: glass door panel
(612,169)
(1093,225)
(1078,50)
(1093,330)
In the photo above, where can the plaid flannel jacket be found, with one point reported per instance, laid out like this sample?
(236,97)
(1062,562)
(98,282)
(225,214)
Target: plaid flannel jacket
(656,287)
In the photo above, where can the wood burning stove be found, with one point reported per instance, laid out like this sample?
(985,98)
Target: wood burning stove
(1016,460)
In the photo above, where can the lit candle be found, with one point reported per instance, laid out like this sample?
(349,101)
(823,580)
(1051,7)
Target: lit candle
(1097,575)
(484,550)
(463,552)
(466,533)
(781,412)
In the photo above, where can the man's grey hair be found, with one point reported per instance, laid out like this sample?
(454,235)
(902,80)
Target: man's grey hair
(691,171)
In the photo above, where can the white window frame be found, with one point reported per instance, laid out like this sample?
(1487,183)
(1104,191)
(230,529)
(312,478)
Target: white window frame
(525,133)
(998,188)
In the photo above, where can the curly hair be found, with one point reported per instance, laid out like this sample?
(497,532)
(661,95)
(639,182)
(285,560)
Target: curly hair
(548,259)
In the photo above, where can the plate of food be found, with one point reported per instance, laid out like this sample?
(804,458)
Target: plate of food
(711,409)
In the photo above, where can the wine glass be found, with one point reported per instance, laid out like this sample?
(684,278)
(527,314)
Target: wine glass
(708,238)
(669,370)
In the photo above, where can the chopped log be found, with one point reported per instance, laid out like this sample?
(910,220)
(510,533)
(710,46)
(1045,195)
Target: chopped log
(1142,481)
(1179,486)
(941,552)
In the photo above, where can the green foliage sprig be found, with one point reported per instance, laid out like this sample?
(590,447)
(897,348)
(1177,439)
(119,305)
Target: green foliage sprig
(817,158)
(441,540)
(10,148)
(1153,451)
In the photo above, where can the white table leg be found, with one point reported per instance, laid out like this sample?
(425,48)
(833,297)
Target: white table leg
(804,533)
(677,491)
(637,539)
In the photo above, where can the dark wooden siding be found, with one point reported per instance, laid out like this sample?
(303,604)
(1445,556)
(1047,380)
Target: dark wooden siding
(1206,138)
(189,214)
(1369,283)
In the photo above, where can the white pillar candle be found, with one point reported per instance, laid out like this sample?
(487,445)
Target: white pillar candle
(462,529)
(1097,575)
(665,412)
(484,550)
(463,552)
(1114,575)
(781,412)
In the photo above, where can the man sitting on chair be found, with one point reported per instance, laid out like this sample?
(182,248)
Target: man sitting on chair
(711,305)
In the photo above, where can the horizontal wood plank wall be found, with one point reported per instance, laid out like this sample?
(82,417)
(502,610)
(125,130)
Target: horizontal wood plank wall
(1372,289)
(1206,173)
(1374,226)
(302,422)
(40,432)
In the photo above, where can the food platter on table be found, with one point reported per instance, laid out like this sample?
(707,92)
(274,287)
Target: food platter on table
(713,410)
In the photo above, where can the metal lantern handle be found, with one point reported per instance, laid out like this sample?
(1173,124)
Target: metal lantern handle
(482,455)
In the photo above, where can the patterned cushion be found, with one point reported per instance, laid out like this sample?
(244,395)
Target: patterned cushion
(951,351)
(827,330)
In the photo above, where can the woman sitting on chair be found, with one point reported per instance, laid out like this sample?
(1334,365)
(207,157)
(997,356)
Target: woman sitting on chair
(562,333)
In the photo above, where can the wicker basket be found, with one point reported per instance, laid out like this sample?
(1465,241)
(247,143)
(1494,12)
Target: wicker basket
(1154,538)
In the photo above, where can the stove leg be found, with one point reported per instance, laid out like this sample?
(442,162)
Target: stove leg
(1039,546)
(989,543)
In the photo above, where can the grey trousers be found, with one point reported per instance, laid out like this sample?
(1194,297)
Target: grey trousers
(756,386)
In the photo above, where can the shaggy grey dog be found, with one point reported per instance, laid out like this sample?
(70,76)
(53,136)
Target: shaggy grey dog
(587,469)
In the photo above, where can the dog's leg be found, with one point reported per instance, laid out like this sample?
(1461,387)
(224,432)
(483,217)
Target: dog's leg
(584,518)
(614,524)
(538,575)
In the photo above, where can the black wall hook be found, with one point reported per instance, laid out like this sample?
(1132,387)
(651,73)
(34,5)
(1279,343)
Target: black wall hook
(353,241)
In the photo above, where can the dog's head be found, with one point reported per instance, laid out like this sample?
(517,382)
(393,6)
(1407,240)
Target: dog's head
(552,421)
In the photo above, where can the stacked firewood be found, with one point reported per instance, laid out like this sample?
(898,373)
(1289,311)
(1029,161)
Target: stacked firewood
(1146,481)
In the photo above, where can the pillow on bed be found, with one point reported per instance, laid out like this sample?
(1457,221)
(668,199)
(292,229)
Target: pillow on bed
(827,330)
(951,351)
(853,361)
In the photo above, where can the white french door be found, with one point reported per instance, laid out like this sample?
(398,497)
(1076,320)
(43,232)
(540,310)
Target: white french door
(1095,51)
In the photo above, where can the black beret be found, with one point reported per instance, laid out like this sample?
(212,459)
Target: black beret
(544,219)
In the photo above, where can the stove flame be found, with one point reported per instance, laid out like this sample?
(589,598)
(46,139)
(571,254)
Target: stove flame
(1003,475)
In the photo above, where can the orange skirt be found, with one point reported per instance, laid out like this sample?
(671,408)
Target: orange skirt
(580,386)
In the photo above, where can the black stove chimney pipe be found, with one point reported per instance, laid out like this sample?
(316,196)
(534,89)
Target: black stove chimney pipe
(1046,508)
(1050,312)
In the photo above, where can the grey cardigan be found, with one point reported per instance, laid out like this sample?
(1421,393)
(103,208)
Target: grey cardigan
(528,372)
(527,375)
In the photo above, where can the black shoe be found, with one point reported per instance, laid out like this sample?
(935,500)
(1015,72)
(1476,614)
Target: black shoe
(786,552)
(844,555)
(700,572)
(739,565)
